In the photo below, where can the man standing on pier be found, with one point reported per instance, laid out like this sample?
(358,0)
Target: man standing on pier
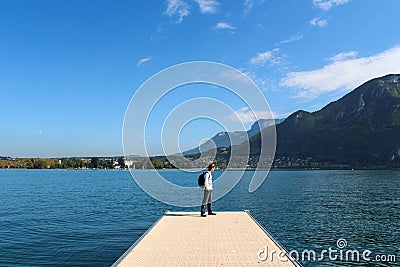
(207,191)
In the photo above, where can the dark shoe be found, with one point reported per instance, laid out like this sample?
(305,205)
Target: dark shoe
(203,211)
(209,210)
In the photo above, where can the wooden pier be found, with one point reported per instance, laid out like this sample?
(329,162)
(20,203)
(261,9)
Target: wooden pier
(186,239)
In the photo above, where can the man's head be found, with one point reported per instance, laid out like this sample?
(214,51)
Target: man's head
(211,167)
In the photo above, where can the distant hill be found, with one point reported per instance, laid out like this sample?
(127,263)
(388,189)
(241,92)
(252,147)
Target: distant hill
(361,129)
(226,139)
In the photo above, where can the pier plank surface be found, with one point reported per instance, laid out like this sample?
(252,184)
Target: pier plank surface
(186,239)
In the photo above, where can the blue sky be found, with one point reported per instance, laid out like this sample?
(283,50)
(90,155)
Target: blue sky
(68,69)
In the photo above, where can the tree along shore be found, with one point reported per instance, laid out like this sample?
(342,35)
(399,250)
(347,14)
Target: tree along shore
(63,163)
(163,163)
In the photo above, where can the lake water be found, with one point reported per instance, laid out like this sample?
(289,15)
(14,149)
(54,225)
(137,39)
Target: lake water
(82,218)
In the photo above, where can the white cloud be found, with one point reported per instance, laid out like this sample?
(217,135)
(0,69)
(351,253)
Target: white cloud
(223,25)
(246,115)
(208,6)
(317,21)
(233,75)
(250,4)
(292,38)
(328,4)
(248,78)
(343,56)
(261,83)
(271,57)
(177,9)
(143,60)
(344,74)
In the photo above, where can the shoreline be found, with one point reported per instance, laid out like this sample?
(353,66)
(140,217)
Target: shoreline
(197,170)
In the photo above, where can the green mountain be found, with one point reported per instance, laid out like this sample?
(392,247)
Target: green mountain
(362,129)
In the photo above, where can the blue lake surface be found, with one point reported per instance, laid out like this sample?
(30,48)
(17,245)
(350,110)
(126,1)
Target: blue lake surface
(91,217)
